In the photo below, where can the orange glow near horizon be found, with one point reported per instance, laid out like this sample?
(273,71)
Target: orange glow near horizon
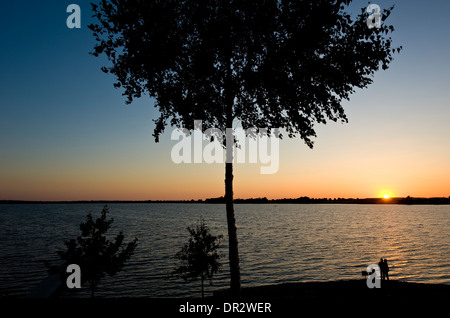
(151,175)
(186,182)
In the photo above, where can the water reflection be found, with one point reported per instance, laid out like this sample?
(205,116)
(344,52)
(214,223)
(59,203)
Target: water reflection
(282,243)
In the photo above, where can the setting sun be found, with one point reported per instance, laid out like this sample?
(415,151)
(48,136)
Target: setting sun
(386,196)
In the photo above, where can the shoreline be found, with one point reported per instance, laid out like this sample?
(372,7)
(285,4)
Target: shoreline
(330,289)
(342,289)
(283,300)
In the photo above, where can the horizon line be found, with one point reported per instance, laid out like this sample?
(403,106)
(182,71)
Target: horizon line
(220,199)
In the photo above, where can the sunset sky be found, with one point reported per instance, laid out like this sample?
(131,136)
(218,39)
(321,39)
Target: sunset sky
(66,133)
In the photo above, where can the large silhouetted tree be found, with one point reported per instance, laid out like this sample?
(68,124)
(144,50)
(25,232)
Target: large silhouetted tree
(266,63)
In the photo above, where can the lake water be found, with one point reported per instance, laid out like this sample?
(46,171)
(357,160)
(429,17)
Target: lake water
(277,243)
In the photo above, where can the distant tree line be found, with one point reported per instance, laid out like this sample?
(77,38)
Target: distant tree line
(308,200)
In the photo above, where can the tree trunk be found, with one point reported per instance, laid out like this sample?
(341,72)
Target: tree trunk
(232,233)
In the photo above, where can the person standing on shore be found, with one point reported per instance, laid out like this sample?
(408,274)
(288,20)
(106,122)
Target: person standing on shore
(381,266)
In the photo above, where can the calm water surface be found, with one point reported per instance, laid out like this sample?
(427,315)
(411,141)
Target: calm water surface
(277,243)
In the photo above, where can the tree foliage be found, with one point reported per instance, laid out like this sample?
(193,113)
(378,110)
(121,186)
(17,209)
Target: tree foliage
(280,63)
(94,253)
(199,257)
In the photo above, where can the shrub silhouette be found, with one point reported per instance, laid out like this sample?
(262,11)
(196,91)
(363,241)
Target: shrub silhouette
(199,257)
(94,253)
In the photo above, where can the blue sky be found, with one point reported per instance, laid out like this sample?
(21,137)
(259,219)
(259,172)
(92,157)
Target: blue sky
(66,133)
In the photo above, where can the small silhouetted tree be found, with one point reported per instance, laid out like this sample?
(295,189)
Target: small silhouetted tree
(94,253)
(199,257)
(269,64)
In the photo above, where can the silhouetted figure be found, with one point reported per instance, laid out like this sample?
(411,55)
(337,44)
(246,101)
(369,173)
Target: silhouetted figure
(386,269)
(381,266)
